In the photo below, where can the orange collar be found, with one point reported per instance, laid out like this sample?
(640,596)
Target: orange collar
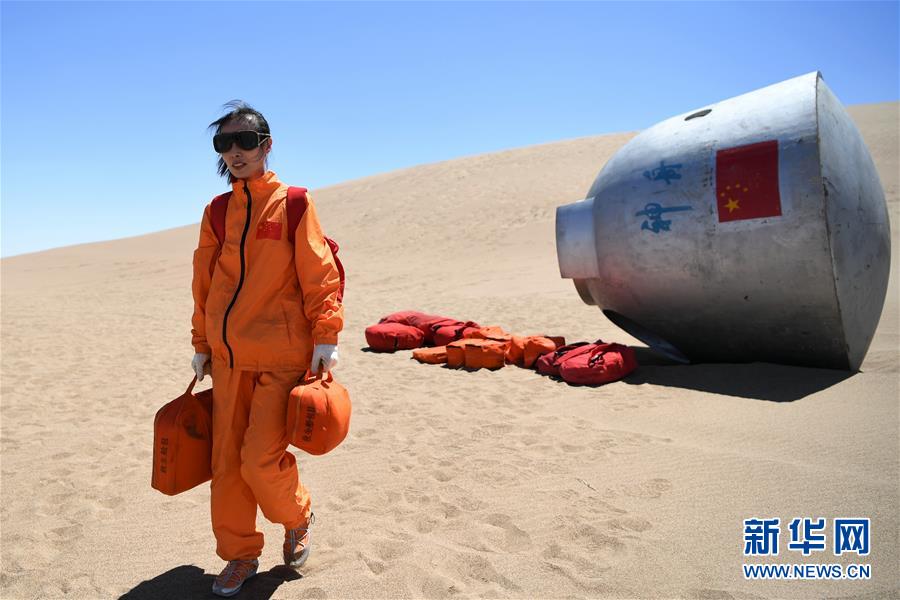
(260,186)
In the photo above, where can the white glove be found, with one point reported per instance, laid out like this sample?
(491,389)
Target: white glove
(200,364)
(327,354)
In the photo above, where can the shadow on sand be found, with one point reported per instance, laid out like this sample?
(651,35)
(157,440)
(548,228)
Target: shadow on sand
(189,581)
(759,381)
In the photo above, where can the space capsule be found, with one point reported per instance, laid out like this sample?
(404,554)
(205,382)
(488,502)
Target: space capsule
(754,229)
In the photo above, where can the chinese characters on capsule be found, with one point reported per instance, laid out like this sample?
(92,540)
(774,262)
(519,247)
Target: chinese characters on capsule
(663,172)
(654,210)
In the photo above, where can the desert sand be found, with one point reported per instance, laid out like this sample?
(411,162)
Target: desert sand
(451,484)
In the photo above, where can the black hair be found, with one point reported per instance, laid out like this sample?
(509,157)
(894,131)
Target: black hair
(238,110)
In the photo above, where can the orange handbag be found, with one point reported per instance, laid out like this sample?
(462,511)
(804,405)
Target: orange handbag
(318,414)
(182,442)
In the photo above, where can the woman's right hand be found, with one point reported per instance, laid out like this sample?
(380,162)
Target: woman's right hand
(201,366)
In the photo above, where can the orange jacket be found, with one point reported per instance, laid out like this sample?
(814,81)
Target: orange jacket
(261,302)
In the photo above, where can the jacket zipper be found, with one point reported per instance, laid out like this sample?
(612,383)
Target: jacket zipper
(240,280)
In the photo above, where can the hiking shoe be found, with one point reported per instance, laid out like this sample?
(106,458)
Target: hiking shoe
(233,576)
(297,544)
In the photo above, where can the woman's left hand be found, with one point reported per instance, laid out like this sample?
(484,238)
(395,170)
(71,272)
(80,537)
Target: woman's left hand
(327,355)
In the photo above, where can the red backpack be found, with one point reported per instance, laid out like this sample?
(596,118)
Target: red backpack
(427,323)
(446,333)
(390,337)
(296,207)
(549,363)
(604,363)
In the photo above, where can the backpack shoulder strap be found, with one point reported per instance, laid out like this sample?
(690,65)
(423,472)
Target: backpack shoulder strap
(340,267)
(296,208)
(297,202)
(217,210)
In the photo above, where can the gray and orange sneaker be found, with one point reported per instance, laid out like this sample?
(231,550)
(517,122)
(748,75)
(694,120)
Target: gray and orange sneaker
(297,544)
(233,576)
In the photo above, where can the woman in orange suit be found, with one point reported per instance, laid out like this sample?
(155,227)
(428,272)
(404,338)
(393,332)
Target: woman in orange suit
(265,311)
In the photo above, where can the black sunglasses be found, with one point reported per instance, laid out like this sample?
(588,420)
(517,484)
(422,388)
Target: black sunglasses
(246,140)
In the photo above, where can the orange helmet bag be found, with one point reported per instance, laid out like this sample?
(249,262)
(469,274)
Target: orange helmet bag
(318,414)
(182,442)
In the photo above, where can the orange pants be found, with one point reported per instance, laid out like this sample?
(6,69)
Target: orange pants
(250,463)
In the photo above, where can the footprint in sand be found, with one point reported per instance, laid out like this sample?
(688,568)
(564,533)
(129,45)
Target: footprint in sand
(477,569)
(114,502)
(629,524)
(652,488)
(449,511)
(491,431)
(570,448)
(375,566)
(443,475)
(66,533)
(463,499)
(435,586)
(390,550)
(58,499)
(573,566)
(351,493)
(514,539)
(425,523)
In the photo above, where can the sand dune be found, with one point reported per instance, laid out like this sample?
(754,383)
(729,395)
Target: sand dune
(450,484)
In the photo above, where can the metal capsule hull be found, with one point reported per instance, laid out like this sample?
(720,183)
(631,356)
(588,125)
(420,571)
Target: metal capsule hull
(754,229)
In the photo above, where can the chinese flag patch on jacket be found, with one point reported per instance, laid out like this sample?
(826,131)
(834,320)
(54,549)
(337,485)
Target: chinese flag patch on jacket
(268,230)
(747,182)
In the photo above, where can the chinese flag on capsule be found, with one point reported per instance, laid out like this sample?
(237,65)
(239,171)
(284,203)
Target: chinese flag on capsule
(747,182)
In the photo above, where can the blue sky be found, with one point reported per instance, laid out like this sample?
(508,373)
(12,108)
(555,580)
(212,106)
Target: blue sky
(105,105)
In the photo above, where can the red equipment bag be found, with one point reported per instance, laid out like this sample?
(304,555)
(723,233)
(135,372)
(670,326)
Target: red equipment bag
(603,364)
(182,442)
(409,317)
(476,353)
(515,354)
(456,354)
(538,345)
(485,354)
(318,414)
(390,337)
(492,332)
(549,363)
(445,334)
(524,351)
(431,356)
(425,322)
